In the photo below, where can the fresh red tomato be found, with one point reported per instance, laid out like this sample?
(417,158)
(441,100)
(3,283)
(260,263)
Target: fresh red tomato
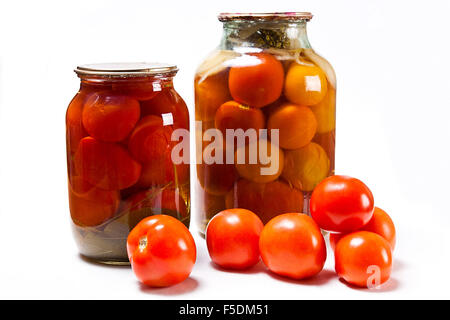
(363,259)
(232,237)
(341,204)
(161,250)
(258,82)
(292,245)
(380,224)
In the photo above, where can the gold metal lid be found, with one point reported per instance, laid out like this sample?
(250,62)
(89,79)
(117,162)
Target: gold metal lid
(270,16)
(127,69)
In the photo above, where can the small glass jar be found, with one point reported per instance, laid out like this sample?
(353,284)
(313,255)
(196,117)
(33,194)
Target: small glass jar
(122,127)
(265,79)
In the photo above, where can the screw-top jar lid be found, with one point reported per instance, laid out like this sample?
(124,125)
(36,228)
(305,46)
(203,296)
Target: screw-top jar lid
(127,69)
(271,16)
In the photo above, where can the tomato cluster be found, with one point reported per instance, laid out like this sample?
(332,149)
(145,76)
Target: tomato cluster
(292,245)
(119,157)
(264,90)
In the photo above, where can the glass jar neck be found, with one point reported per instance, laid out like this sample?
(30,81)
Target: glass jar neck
(98,81)
(264,34)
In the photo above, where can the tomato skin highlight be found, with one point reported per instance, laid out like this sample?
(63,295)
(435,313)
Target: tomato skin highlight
(258,84)
(359,254)
(341,204)
(161,251)
(292,245)
(232,237)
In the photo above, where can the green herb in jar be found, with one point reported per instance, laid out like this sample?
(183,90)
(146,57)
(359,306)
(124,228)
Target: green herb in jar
(267,38)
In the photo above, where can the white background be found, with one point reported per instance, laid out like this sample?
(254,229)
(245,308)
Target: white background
(393,131)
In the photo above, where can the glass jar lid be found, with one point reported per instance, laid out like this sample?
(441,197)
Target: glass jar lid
(127,69)
(271,16)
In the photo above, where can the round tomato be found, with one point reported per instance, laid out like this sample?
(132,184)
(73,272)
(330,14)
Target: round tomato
(161,250)
(363,259)
(106,165)
(258,81)
(292,245)
(232,238)
(110,118)
(341,204)
(380,224)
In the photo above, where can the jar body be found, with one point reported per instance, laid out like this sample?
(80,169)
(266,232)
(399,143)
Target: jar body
(120,168)
(284,91)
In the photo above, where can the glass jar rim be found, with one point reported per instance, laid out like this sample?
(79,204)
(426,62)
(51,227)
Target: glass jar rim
(269,16)
(127,69)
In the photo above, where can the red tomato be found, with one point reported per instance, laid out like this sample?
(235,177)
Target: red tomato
(161,250)
(89,205)
(110,118)
(380,224)
(167,101)
(140,89)
(74,125)
(150,140)
(341,204)
(232,238)
(233,115)
(106,165)
(258,82)
(363,259)
(292,245)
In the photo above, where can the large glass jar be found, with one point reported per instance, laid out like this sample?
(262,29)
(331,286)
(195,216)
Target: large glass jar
(265,79)
(127,154)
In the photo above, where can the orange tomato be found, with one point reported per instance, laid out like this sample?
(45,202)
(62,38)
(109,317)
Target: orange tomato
(363,259)
(292,245)
(106,165)
(296,124)
(325,111)
(258,81)
(110,118)
(233,115)
(216,178)
(210,94)
(305,167)
(305,85)
(267,200)
(89,205)
(232,238)
(272,162)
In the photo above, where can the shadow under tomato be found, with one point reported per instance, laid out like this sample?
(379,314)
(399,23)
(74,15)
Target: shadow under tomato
(188,285)
(390,285)
(257,268)
(320,279)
